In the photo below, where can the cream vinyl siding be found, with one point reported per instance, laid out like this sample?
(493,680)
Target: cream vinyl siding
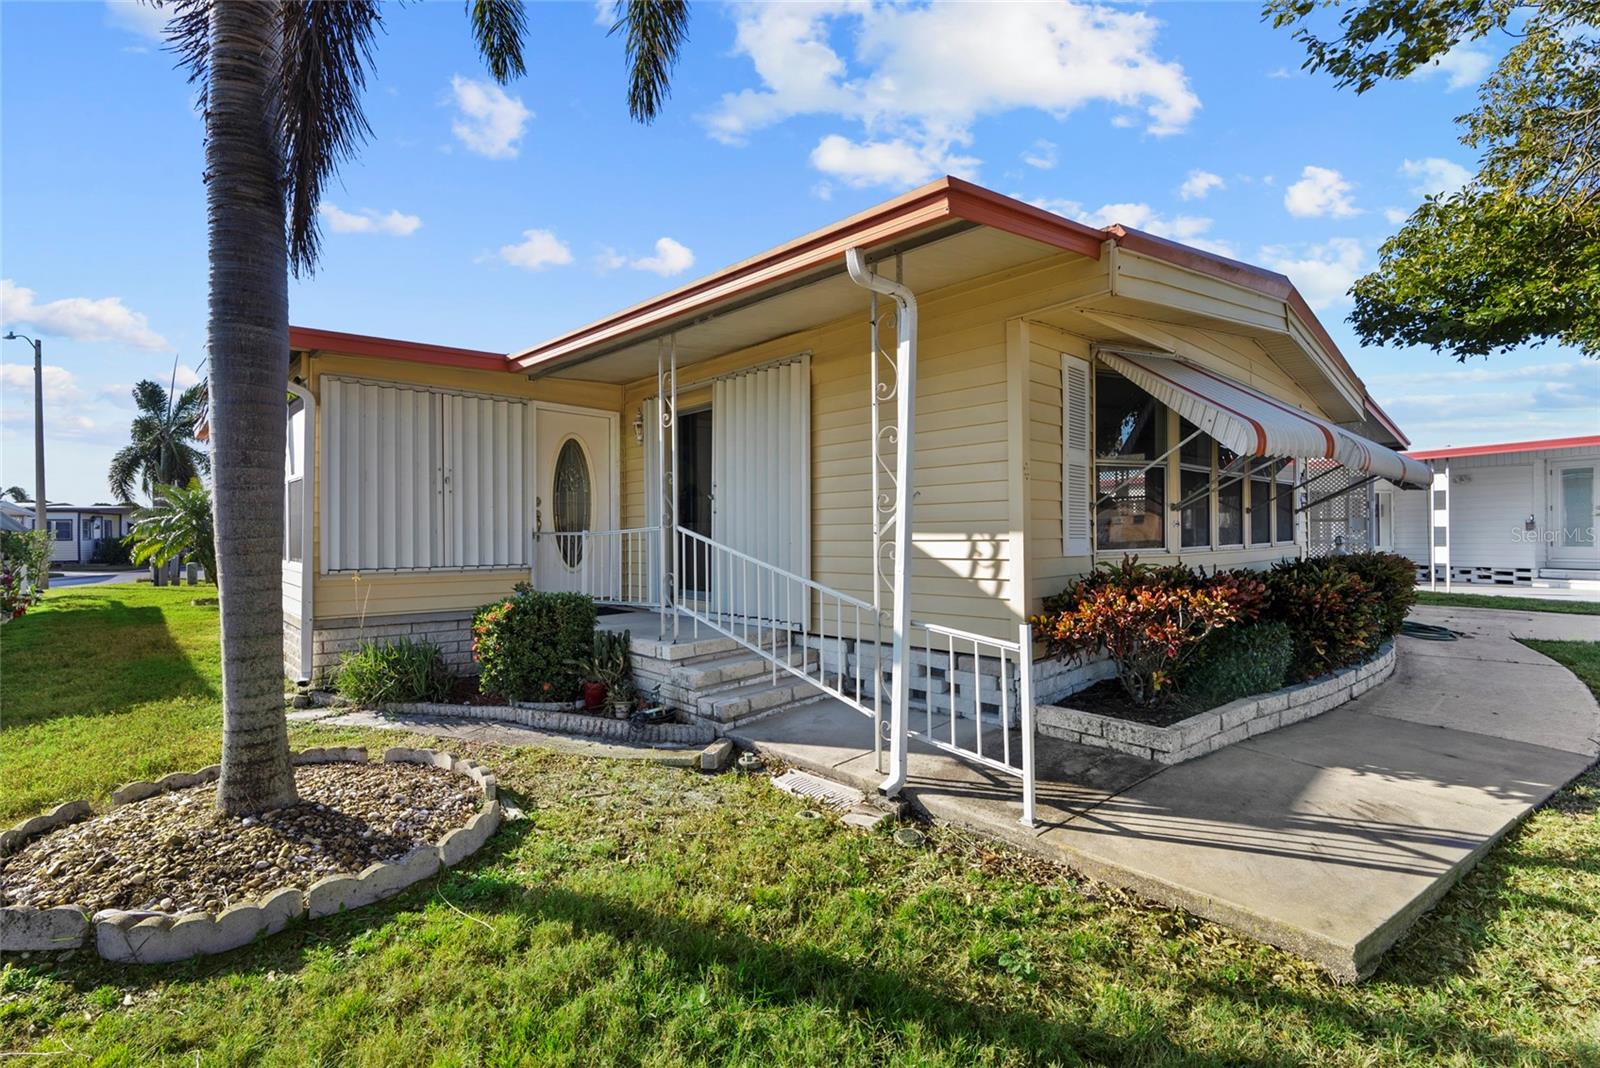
(423,479)
(962,530)
(375,594)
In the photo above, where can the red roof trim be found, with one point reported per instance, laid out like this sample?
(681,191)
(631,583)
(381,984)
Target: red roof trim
(387,348)
(940,201)
(1591,440)
(1388,424)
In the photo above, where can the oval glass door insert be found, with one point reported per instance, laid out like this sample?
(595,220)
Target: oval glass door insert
(570,499)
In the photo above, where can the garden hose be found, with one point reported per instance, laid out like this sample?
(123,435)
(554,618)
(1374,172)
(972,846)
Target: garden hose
(1427,632)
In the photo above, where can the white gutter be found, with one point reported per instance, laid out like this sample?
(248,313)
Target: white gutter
(905,423)
(308,444)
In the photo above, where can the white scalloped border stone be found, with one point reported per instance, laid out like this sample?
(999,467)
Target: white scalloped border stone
(158,937)
(1211,730)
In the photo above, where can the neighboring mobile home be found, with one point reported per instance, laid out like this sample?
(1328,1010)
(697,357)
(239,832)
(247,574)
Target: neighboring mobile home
(920,421)
(75,530)
(1522,513)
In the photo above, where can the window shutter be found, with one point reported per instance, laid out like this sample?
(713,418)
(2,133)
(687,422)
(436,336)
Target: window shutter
(419,479)
(1076,505)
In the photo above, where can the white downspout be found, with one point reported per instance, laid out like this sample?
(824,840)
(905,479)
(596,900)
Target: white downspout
(308,487)
(905,438)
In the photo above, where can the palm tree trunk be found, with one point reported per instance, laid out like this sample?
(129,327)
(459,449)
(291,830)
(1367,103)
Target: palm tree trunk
(249,349)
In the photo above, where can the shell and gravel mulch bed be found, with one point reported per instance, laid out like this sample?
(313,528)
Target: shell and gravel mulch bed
(163,876)
(174,853)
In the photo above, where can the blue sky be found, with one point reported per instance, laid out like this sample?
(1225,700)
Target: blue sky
(493,219)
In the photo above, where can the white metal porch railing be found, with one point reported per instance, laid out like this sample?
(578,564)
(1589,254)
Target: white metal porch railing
(615,566)
(967,679)
(771,611)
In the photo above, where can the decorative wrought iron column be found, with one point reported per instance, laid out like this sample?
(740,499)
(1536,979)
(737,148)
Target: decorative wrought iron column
(892,559)
(667,477)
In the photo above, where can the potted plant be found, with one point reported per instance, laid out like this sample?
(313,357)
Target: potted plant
(608,674)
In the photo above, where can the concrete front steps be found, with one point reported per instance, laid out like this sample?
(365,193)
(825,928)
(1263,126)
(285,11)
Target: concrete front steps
(719,681)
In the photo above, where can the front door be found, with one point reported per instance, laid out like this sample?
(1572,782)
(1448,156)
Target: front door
(572,495)
(1573,513)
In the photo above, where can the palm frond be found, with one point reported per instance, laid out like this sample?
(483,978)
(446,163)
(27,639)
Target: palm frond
(326,50)
(654,32)
(151,398)
(498,27)
(178,522)
(125,466)
(188,35)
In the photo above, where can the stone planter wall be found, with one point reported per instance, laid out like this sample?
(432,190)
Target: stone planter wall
(546,718)
(1208,731)
(159,937)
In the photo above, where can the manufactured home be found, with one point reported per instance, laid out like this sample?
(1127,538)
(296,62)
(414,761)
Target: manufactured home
(75,530)
(1521,513)
(866,454)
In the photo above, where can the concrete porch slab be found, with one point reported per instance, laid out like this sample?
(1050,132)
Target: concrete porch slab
(1328,838)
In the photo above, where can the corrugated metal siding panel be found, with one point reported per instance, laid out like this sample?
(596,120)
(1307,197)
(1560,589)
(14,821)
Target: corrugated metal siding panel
(1487,514)
(422,479)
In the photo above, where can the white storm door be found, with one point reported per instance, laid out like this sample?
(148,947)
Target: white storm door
(1574,509)
(573,493)
(761,489)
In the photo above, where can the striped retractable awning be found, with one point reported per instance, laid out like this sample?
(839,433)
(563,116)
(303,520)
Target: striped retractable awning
(1252,423)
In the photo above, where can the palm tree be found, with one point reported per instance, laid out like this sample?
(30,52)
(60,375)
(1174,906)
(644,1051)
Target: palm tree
(178,523)
(281,85)
(163,450)
(18,494)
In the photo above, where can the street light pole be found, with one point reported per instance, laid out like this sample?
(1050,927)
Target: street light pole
(41,581)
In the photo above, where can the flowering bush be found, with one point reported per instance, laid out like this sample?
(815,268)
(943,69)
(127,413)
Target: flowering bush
(526,644)
(24,556)
(1149,621)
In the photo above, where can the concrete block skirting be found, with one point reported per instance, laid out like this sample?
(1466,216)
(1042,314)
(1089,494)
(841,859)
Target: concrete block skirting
(450,631)
(547,719)
(158,937)
(1211,730)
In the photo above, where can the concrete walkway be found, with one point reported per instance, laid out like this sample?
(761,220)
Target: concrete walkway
(1328,838)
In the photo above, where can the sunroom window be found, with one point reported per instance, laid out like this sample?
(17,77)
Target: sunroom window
(1130,493)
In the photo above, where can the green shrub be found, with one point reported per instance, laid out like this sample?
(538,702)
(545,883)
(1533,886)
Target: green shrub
(527,644)
(24,556)
(1237,662)
(1334,616)
(111,552)
(1393,578)
(394,671)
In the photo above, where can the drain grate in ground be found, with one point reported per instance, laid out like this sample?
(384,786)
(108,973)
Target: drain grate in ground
(819,790)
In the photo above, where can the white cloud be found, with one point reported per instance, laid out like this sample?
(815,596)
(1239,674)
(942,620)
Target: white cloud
(1396,215)
(367,221)
(489,121)
(1280,72)
(1041,155)
(920,77)
(1188,229)
(79,318)
(896,162)
(1461,67)
(1198,184)
(140,18)
(672,257)
(1435,176)
(538,249)
(1320,191)
(1322,273)
(186,376)
(60,387)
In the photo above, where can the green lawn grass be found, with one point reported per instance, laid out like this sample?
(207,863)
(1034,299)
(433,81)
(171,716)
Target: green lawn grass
(1580,658)
(646,915)
(1511,604)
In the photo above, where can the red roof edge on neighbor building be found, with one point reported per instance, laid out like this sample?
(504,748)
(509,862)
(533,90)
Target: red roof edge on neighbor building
(1585,441)
(302,339)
